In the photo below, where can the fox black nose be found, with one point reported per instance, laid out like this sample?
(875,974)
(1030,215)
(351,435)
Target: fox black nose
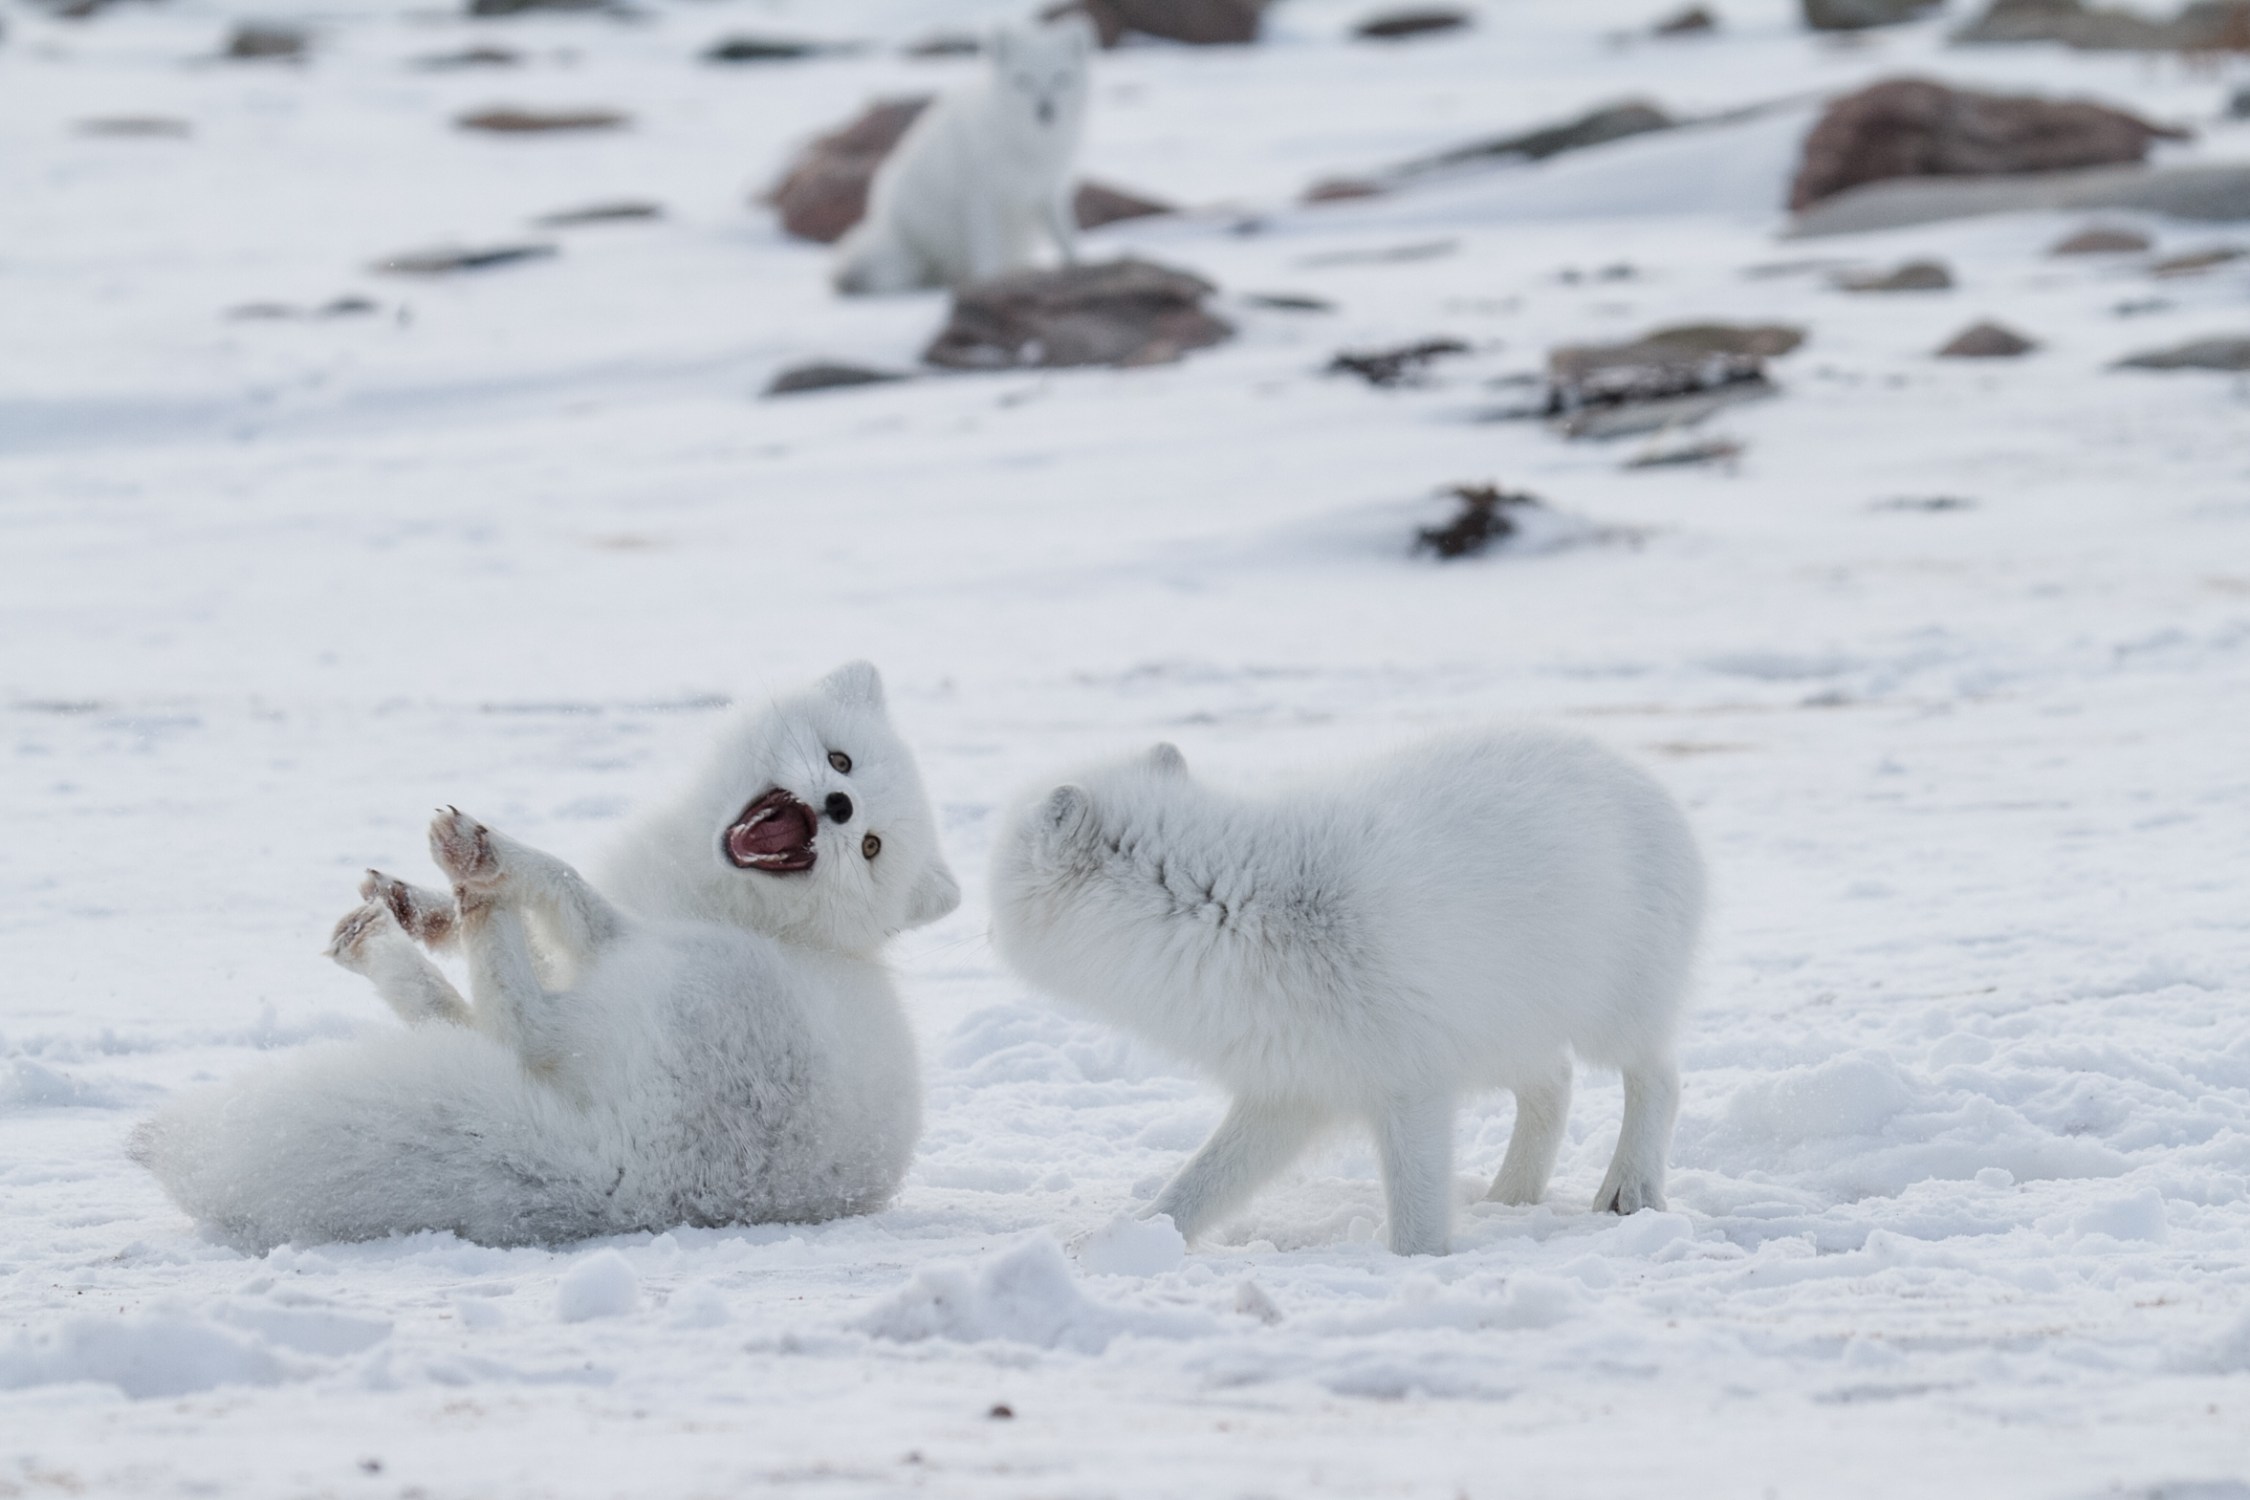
(839,808)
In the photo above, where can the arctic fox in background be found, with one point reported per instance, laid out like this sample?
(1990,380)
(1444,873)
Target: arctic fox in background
(1461,916)
(982,174)
(721,1044)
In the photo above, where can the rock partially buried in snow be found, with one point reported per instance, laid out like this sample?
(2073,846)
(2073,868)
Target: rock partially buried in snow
(1484,517)
(1134,1247)
(1394,25)
(2197,261)
(446,261)
(827,375)
(511,120)
(2206,26)
(520,7)
(1400,365)
(1911,127)
(759,49)
(266,41)
(2210,191)
(1123,312)
(1674,377)
(1862,15)
(1095,204)
(1202,23)
(2201,354)
(1611,122)
(1914,276)
(2101,240)
(623,212)
(1986,341)
(602,1285)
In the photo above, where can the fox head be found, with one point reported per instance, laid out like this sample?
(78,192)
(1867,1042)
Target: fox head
(1039,77)
(810,825)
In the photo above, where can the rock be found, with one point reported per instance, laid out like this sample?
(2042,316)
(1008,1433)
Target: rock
(1203,23)
(2238,103)
(2196,261)
(1096,204)
(2101,241)
(1691,454)
(519,7)
(2202,354)
(1910,127)
(1393,25)
(340,307)
(827,376)
(1289,302)
(1986,341)
(145,127)
(470,57)
(1616,390)
(1123,312)
(945,44)
(1757,340)
(1612,122)
(2210,191)
(1694,21)
(1861,15)
(824,192)
(1390,367)
(1914,276)
(1343,190)
(442,262)
(2207,26)
(754,49)
(264,41)
(1482,520)
(513,121)
(625,212)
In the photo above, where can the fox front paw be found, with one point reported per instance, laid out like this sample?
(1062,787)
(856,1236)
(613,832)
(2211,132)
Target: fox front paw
(463,849)
(427,917)
(364,926)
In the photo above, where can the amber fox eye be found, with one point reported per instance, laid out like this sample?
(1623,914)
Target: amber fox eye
(871,846)
(840,761)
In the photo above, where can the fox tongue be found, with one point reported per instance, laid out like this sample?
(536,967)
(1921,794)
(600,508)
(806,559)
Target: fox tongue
(775,831)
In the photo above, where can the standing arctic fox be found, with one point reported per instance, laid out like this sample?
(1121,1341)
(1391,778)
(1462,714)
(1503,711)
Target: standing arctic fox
(721,1046)
(981,175)
(1461,916)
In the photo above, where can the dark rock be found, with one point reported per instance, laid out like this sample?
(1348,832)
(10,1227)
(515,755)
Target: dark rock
(2206,26)
(1616,390)
(137,127)
(2202,354)
(623,212)
(1910,127)
(444,262)
(513,121)
(827,376)
(340,307)
(2196,261)
(264,41)
(2101,241)
(1986,341)
(1203,23)
(1396,24)
(946,44)
(755,49)
(1914,276)
(520,7)
(2238,103)
(349,307)
(1694,21)
(1756,340)
(1861,15)
(1693,454)
(1343,189)
(1097,203)
(1481,520)
(824,192)
(1391,367)
(469,57)
(1612,122)
(1124,312)
(1930,503)
(1289,302)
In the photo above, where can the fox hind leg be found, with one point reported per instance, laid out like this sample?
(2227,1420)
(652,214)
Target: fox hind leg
(1542,1110)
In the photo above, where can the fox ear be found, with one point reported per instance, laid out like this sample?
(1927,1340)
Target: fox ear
(1066,812)
(1166,757)
(934,895)
(856,683)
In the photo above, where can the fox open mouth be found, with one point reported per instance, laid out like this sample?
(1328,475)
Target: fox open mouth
(774,833)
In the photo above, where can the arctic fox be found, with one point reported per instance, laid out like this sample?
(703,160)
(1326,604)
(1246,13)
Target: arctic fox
(1461,916)
(981,174)
(721,1045)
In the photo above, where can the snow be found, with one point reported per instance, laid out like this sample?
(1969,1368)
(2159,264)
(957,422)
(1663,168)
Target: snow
(1961,1197)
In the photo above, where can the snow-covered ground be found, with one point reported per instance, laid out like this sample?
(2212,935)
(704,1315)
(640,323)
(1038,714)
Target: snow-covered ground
(1962,1185)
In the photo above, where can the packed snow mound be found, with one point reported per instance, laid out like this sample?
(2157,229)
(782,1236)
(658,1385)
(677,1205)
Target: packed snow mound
(160,1354)
(1023,1295)
(603,1285)
(1134,1247)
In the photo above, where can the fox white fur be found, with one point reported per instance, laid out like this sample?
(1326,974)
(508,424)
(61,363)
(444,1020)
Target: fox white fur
(1465,915)
(696,1043)
(982,174)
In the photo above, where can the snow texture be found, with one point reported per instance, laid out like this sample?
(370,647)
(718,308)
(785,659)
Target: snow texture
(1950,668)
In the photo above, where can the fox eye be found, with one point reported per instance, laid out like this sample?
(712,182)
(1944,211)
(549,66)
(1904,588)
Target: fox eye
(840,761)
(871,846)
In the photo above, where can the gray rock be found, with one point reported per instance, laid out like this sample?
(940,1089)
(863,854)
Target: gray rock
(827,375)
(2101,240)
(2206,26)
(1860,15)
(1987,341)
(624,212)
(2202,354)
(520,7)
(2213,192)
(1914,276)
(1124,313)
(447,261)
(1673,379)
(266,41)
(1612,122)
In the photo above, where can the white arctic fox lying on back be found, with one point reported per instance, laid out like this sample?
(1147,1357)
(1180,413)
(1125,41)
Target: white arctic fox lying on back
(981,175)
(1461,916)
(722,1047)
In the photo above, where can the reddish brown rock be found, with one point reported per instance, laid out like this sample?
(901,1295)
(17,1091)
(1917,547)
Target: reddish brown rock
(512,121)
(1987,341)
(1204,23)
(2204,26)
(1097,203)
(2101,241)
(1124,312)
(1909,127)
(825,192)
